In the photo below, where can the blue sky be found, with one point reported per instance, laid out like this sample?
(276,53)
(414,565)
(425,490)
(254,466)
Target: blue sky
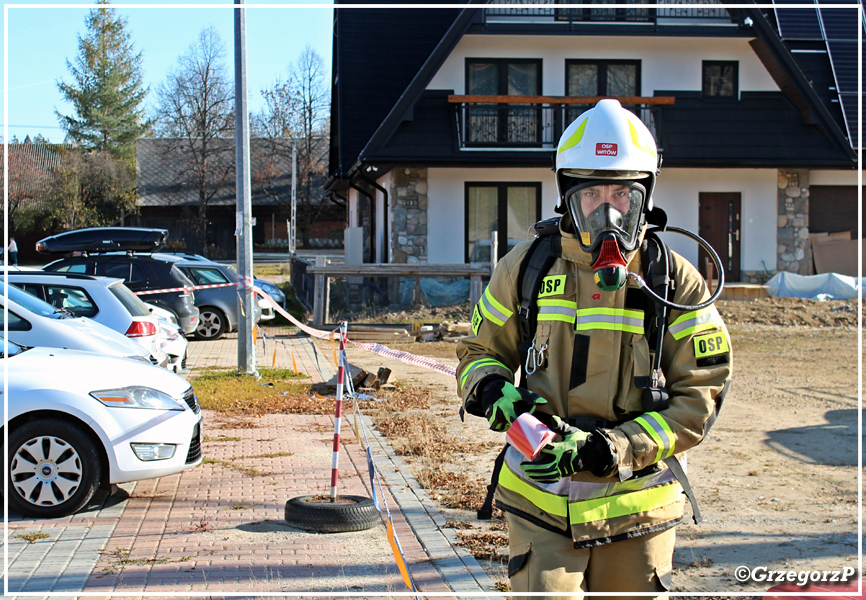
(42,39)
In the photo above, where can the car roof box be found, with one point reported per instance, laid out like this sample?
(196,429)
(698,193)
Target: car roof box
(104,239)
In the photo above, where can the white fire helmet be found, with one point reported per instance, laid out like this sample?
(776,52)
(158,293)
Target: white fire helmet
(606,149)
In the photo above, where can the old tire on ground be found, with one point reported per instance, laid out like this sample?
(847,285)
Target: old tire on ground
(319,514)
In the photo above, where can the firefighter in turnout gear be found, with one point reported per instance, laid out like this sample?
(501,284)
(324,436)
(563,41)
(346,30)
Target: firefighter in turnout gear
(595,511)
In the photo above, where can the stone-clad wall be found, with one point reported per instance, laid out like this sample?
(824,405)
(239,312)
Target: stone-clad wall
(793,253)
(409,205)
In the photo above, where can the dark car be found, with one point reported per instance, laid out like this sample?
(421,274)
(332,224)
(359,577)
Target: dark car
(124,253)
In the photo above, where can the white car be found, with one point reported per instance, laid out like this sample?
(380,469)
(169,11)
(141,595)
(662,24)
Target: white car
(33,322)
(104,299)
(173,341)
(78,421)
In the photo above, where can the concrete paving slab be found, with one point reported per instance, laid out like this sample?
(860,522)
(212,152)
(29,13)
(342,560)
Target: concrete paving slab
(216,529)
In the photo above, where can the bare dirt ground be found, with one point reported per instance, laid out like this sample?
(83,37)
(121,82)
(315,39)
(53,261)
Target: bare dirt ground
(777,479)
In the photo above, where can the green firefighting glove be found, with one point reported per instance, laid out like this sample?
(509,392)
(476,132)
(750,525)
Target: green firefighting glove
(503,403)
(579,451)
(557,459)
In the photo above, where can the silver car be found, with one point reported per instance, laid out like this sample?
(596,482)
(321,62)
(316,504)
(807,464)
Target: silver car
(106,300)
(218,306)
(35,323)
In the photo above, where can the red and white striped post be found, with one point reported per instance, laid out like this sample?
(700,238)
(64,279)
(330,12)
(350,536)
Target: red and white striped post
(338,413)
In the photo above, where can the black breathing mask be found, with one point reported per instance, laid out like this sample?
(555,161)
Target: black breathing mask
(608,216)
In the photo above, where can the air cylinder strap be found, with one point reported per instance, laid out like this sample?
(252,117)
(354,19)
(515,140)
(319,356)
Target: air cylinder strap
(676,468)
(485,513)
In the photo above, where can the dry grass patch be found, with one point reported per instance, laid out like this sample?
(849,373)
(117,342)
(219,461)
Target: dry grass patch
(452,489)
(232,393)
(400,399)
(485,546)
(419,435)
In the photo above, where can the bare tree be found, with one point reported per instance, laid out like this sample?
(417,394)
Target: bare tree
(195,108)
(296,113)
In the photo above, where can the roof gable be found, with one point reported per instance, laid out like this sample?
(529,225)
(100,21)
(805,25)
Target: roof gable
(378,125)
(377,54)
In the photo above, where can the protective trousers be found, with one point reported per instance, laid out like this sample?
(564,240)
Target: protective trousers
(544,561)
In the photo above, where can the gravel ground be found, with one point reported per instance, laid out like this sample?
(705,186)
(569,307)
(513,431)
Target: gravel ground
(777,477)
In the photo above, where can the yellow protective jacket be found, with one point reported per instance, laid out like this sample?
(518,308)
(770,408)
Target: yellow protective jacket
(595,347)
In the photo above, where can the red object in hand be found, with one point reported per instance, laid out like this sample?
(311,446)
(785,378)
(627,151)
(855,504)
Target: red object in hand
(528,435)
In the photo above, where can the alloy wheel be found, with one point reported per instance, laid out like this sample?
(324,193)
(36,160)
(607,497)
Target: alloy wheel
(46,471)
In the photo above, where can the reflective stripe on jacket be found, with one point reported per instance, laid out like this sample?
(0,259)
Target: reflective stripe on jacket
(595,347)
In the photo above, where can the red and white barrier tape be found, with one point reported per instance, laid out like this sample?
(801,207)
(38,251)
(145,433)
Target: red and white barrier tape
(406,357)
(186,288)
(402,356)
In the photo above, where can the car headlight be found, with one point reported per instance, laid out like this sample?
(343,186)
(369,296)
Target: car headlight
(138,397)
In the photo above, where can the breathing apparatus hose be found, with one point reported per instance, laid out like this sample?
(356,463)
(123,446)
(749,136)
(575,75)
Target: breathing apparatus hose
(706,246)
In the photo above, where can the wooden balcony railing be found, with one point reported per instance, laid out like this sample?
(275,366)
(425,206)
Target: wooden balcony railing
(535,122)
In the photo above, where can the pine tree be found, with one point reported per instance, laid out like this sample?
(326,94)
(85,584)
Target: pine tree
(107,89)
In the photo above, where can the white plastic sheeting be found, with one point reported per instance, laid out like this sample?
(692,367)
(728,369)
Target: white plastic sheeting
(825,286)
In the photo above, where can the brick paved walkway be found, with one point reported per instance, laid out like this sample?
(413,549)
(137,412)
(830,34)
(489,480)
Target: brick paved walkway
(220,527)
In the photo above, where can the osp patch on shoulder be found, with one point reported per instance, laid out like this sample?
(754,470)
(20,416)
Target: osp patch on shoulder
(712,349)
(552,285)
(476,320)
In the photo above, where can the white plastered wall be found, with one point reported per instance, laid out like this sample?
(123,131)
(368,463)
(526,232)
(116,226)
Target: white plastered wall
(833,177)
(676,192)
(666,63)
(446,205)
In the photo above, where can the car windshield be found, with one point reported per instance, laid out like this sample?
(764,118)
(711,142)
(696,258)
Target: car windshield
(13,348)
(130,301)
(34,304)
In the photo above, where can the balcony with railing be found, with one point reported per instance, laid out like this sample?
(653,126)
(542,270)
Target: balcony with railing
(672,12)
(529,123)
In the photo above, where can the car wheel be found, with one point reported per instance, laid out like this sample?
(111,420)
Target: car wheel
(54,468)
(211,324)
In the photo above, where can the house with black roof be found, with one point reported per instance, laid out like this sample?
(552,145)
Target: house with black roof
(444,121)
(168,197)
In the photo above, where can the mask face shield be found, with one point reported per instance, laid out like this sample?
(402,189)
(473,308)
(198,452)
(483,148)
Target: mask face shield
(605,206)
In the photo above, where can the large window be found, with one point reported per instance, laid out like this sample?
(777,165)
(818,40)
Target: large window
(720,79)
(503,124)
(506,208)
(611,78)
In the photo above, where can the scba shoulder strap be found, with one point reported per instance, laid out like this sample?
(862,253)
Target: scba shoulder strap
(543,252)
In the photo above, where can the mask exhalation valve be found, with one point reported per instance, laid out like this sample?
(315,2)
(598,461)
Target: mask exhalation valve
(609,266)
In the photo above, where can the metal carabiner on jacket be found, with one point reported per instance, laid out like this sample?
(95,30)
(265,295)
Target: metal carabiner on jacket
(531,360)
(541,358)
